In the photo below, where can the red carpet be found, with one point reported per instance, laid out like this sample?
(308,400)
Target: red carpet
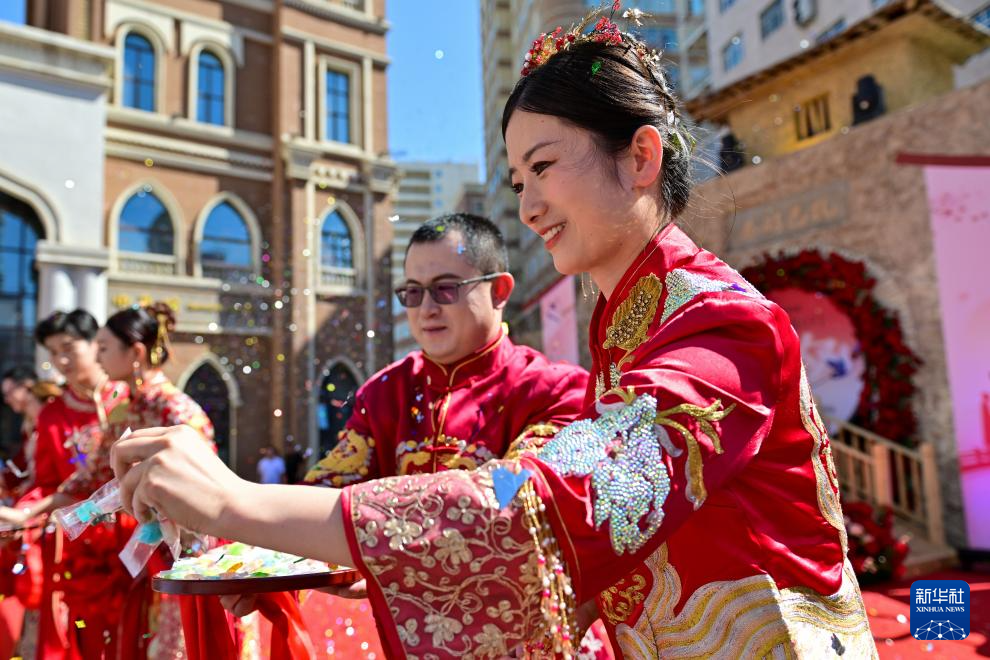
(890,612)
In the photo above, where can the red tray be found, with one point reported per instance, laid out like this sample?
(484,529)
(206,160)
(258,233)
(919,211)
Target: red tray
(257,585)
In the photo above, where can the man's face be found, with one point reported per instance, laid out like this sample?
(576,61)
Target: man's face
(15,395)
(448,333)
(73,357)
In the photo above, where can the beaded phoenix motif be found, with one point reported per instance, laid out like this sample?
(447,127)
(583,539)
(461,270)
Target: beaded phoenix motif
(621,450)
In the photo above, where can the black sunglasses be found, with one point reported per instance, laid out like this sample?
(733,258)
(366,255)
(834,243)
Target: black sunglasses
(443,293)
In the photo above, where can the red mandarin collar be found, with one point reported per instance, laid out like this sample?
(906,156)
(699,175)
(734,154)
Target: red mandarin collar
(451,376)
(110,391)
(668,249)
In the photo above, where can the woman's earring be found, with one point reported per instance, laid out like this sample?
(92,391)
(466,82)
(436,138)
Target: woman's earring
(137,374)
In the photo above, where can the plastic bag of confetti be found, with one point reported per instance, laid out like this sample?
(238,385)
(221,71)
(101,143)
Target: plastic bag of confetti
(75,518)
(105,502)
(145,540)
(141,546)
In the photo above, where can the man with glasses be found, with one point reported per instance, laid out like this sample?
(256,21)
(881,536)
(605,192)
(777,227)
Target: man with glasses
(470,393)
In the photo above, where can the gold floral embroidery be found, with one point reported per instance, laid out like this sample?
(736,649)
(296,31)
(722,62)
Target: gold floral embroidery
(632,318)
(443,552)
(749,618)
(821,459)
(346,463)
(618,603)
(532,438)
(704,417)
(615,375)
(603,387)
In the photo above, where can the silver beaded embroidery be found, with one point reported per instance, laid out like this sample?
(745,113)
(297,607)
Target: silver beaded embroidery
(683,286)
(621,450)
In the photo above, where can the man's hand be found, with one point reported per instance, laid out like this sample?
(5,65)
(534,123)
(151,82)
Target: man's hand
(242,605)
(356,590)
(239,605)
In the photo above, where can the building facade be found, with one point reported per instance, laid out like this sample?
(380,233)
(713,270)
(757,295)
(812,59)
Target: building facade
(243,180)
(46,259)
(675,27)
(426,190)
(749,35)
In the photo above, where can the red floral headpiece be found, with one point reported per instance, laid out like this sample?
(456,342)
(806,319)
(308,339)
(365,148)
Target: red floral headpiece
(605,31)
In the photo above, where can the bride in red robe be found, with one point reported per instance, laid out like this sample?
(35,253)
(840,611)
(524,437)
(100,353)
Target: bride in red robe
(134,346)
(696,501)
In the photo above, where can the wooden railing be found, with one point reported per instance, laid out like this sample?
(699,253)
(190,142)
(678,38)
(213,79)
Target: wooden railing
(873,469)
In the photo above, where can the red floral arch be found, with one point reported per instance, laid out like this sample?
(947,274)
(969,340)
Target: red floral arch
(885,403)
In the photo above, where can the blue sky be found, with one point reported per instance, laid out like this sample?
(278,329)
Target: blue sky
(435,107)
(12,10)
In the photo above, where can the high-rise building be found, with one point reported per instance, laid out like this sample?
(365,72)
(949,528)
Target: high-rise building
(748,36)
(508,27)
(426,190)
(231,163)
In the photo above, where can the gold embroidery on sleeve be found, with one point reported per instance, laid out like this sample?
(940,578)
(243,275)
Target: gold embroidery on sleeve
(618,601)
(347,462)
(632,318)
(696,492)
(532,438)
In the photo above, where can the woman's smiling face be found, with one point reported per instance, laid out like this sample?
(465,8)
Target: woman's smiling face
(568,192)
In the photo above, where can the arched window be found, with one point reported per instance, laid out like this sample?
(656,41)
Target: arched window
(336,252)
(145,225)
(20,231)
(139,73)
(225,249)
(336,403)
(207,387)
(210,101)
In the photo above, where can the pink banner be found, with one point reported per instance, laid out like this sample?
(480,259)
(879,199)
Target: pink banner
(558,316)
(959,204)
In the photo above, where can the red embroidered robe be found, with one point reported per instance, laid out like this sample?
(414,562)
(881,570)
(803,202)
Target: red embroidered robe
(418,416)
(697,501)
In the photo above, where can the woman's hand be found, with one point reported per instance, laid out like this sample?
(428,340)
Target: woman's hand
(171,471)
(13,516)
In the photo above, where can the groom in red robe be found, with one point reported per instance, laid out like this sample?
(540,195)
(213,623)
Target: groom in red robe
(470,395)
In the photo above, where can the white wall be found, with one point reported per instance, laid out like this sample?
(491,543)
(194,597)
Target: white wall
(52,118)
(790,39)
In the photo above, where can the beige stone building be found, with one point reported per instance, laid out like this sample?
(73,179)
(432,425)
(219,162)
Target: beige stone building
(244,181)
(820,176)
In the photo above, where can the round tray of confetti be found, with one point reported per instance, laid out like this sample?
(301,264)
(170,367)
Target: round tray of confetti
(243,569)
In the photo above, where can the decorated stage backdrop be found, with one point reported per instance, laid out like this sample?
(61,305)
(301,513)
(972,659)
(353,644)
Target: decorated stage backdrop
(959,208)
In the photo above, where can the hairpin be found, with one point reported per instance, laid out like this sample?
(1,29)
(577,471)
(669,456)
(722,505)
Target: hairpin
(605,31)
